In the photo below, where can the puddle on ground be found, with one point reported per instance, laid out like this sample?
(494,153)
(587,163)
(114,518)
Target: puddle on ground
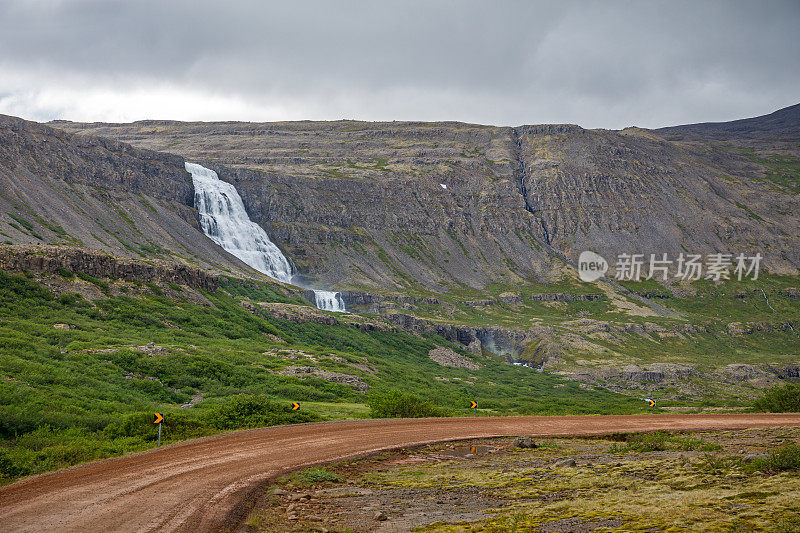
(468,451)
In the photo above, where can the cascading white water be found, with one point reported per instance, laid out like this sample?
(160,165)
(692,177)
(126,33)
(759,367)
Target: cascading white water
(224,219)
(329,301)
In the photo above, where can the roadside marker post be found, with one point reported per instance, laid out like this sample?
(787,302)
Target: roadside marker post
(652,404)
(157,419)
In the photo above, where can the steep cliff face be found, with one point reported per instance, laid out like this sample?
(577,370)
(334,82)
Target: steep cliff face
(99,194)
(448,205)
(37,149)
(55,259)
(433,222)
(375,205)
(633,192)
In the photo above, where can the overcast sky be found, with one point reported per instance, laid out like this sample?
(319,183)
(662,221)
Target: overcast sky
(598,64)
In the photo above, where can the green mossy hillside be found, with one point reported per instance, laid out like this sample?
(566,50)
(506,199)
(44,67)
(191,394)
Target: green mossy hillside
(80,379)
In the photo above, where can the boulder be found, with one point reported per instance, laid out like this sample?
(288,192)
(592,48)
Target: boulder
(524,442)
(328,375)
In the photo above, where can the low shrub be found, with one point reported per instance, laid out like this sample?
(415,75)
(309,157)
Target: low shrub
(785,459)
(176,426)
(319,475)
(693,444)
(72,299)
(155,289)
(648,442)
(250,411)
(662,441)
(397,404)
(9,468)
(99,283)
(716,464)
(780,399)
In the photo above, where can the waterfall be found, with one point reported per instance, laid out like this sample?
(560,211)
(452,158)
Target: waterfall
(225,221)
(329,301)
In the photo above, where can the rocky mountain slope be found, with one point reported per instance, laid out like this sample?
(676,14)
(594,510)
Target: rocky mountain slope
(438,206)
(449,229)
(780,126)
(98,194)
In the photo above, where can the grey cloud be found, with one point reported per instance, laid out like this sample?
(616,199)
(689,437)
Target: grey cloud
(600,64)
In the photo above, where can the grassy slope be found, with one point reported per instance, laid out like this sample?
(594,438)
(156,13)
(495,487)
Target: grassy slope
(710,326)
(711,307)
(729,301)
(87,392)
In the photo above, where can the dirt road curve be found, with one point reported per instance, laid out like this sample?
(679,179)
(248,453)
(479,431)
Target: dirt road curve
(205,484)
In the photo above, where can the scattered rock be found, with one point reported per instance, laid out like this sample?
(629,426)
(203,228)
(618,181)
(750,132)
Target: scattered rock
(635,373)
(565,297)
(524,442)
(788,371)
(739,372)
(658,372)
(289,353)
(298,313)
(791,292)
(327,375)
(566,463)
(250,306)
(196,398)
(511,298)
(380,516)
(480,303)
(151,349)
(447,357)
(475,347)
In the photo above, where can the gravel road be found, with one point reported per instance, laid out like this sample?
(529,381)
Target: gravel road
(206,484)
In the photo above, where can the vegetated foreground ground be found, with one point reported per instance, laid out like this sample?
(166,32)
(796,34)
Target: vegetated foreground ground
(211,484)
(84,363)
(694,481)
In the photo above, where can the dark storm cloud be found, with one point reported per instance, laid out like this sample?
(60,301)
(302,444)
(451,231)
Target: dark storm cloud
(600,64)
